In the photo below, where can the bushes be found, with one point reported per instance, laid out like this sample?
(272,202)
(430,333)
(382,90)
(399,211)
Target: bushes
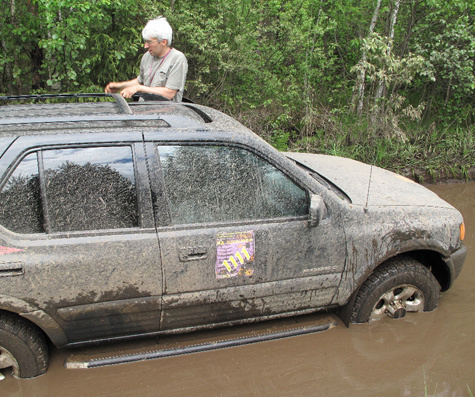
(287,69)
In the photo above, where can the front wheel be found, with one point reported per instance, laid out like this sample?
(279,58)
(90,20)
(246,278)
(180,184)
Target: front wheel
(401,285)
(22,347)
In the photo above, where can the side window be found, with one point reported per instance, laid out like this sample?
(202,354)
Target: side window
(220,183)
(83,188)
(90,188)
(20,203)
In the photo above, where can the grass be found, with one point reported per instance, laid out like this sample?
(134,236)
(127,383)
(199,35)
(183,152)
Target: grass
(429,153)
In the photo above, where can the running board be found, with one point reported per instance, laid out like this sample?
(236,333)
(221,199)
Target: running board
(197,348)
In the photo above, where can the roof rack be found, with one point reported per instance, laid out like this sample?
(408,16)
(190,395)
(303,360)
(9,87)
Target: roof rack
(171,120)
(121,102)
(49,96)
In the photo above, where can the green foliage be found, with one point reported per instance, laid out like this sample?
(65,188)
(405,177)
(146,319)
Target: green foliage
(67,45)
(287,69)
(428,154)
(450,54)
(384,69)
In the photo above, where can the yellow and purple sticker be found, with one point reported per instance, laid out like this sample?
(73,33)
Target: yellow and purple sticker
(235,254)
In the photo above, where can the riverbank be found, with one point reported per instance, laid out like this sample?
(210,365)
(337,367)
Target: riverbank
(425,154)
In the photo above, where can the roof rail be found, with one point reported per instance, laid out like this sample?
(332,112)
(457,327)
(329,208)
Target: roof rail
(124,108)
(121,102)
(50,96)
(171,120)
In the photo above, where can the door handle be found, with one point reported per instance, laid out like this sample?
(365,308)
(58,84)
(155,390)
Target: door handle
(192,253)
(11,269)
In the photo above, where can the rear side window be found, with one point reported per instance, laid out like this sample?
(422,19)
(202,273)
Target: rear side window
(20,204)
(71,189)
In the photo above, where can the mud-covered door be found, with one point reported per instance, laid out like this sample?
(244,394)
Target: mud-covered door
(79,224)
(238,242)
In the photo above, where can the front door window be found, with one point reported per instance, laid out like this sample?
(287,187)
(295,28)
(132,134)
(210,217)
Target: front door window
(225,184)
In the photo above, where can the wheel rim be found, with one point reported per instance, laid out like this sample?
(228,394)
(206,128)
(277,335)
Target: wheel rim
(7,360)
(397,301)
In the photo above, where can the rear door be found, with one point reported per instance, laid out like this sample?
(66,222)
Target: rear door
(235,238)
(78,221)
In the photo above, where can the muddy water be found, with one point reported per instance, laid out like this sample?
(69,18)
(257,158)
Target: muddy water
(429,354)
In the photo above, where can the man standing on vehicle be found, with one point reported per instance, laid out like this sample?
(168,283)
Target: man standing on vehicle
(163,68)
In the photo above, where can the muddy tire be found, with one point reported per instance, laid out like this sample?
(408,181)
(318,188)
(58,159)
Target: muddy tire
(399,286)
(22,347)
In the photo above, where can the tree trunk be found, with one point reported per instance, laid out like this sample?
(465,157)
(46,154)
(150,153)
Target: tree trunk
(15,56)
(392,23)
(359,99)
(8,67)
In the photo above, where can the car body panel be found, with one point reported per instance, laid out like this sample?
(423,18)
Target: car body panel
(5,142)
(293,267)
(162,277)
(404,230)
(89,301)
(291,271)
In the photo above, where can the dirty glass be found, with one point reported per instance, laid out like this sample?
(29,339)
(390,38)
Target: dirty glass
(221,183)
(90,188)
(20,199)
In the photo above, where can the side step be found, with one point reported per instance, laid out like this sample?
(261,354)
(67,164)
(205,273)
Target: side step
(202,347)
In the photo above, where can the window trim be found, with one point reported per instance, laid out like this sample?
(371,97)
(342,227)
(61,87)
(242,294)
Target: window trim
(48,233)
(200,225)
(43,195)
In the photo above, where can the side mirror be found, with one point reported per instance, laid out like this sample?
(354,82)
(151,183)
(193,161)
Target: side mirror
(317,210)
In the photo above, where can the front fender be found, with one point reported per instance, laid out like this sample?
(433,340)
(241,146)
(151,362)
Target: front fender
(377,234)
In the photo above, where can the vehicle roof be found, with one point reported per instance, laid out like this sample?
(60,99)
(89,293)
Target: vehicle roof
(116,116)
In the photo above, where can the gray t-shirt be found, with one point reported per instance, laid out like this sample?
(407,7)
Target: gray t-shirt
(168,71)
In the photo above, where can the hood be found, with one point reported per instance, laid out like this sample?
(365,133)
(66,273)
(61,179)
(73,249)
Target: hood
(369,185)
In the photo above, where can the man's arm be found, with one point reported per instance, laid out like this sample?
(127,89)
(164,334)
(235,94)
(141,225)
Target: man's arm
(163,91)
(129,88)
(115,86)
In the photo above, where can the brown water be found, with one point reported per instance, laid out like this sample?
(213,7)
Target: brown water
(428,354)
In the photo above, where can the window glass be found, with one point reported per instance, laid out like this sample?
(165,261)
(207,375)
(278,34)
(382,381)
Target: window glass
(220,183)
(90,188)
(20,204)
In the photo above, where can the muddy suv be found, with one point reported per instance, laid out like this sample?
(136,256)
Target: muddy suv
(121,219)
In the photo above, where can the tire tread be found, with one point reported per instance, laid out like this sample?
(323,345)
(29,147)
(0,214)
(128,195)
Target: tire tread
(391,270)
(33,340)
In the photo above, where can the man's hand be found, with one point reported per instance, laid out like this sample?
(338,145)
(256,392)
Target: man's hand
(115,86)
(112,87)
(129,91)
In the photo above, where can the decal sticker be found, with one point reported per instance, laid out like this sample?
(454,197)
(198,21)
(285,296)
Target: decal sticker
(8,250)
(235,254)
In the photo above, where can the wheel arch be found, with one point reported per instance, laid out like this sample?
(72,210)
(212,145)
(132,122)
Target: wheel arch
(36,317)
(435,263)
(432,260)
